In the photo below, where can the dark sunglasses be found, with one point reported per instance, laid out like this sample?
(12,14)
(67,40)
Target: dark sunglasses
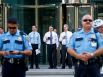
(85,20)
(12,27)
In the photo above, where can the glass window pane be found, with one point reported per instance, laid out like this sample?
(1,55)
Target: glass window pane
(1,16)
(43,2)
(82,11)
(71,18)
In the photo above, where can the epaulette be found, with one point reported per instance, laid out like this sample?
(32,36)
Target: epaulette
(95,30)
(22,33)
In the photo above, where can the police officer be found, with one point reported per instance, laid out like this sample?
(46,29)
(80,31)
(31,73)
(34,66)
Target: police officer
(13,47)
(98,26)
(34,38)
(64,39)
(51,39)
(82,45)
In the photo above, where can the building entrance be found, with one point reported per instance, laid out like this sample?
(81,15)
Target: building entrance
(44,16)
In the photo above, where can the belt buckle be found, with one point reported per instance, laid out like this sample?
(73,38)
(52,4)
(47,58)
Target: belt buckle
(18,61)
(78,63)
(86,63)
(11,60)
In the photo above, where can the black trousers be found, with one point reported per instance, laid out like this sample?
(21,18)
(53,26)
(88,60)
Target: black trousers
(34,58)
(13,70)
(52,55)
(65,59)
(90,70)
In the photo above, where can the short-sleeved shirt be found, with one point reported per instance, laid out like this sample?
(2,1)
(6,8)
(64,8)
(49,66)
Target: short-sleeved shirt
(100,40)
(83,42)
(10,42)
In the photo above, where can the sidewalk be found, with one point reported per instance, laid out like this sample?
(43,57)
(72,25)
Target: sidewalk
(46,67)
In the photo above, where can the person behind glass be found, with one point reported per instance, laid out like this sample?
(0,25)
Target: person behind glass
(51,39)
(14,47)
(34,38)
(82,45)
(1,30)
(64,39)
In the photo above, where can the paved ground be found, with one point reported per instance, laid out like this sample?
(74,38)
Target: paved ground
(44,68)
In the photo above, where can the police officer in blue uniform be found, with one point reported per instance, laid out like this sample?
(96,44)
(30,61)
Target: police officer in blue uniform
(98,26)
(82,46)
(14,47)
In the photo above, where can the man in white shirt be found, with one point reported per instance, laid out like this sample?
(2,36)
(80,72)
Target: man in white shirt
(64,39)
(51,39)
(34,38)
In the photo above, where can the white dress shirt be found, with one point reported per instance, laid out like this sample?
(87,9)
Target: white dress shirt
(34,38)
(65,37)
(54,38)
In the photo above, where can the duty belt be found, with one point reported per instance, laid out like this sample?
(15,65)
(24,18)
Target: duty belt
(13,60)
(89,62)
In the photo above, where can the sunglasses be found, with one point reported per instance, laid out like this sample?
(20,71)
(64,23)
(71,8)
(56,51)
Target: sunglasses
(99,27)
(12,27)
(85,20)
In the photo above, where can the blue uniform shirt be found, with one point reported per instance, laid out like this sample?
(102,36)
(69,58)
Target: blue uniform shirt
(15,42)
(83,42)
(100,40)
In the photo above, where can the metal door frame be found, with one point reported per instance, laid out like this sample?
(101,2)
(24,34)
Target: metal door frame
(76,6)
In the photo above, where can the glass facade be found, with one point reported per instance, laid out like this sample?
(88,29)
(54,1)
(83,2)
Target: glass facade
(82,11)
(96,0)
(71,17)
(43,2)
(1,14)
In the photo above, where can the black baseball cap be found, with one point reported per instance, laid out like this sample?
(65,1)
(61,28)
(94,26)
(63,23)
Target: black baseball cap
(12,20)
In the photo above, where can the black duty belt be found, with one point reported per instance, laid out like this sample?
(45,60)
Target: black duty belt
(95,60)
(13,60)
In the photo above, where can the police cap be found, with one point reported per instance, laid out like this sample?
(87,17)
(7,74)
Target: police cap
(12,20)
(97,23)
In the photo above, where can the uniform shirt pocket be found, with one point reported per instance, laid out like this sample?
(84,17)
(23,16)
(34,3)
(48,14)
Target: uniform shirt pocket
(6,44)
(6,41)
(78,42)
(19,45)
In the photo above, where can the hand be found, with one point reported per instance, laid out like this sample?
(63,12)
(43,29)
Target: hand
(82,57)
(5,53)
(89,55)
(48,38)
(64,37)
(14,52)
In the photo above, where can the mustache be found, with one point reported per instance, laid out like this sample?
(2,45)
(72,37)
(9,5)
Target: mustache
(87,22)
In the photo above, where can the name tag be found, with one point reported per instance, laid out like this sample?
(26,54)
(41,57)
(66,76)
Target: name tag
(93,44)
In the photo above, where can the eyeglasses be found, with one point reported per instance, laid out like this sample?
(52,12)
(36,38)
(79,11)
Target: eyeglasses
(99,27)
(85,20)
(12,27)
